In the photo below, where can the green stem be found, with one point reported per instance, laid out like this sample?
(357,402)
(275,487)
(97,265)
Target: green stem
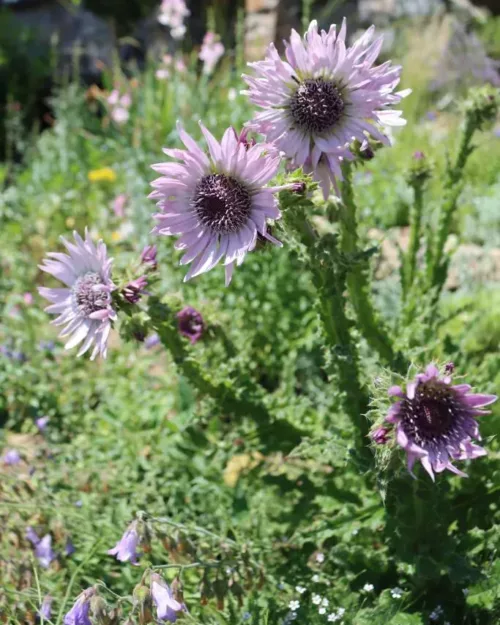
(370,324)
(453,188)
(415,234)
(328,274)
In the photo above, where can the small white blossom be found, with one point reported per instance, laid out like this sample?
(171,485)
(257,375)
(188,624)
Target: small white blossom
(396,593)
(355,532)
(368,587)
(322,610)
(340,612)
(320,558)
(294,605)
(333,617)
(300,589)
(436,613)
(315,578)
(316,599)
(325,602)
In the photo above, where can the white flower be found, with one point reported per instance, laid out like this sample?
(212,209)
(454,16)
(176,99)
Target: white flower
(320,557)
(333,617)
(231,94)
(315,578)
(294,605)
(316,599)
(396,593)
(368,587)
(325,602)
(322,610)
(300,589)
(355,532)
(340,612)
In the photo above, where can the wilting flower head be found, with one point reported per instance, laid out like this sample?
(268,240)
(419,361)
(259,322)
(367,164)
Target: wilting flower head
(79,613)
(190,324)
(125,549)
(167,607)
(322,97)
(11,457)
(45,608)
(218,205)
(134,289)
(148,257)
(84,305)
(436,421)
(44,552)
(211,51)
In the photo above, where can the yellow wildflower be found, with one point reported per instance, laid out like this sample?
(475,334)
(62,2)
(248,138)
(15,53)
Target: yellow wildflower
(105,174)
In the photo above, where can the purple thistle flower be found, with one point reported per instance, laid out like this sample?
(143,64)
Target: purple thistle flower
(84,305)
(32,536)
(44,552)
(125,549)
(11,457)
(166,606)
(218,205)
(79,613)
(42,422)
(190,324)
(134,290)
(322,97)
(45,610)
(148,257)
(436,421)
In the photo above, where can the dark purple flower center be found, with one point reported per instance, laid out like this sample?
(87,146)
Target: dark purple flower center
(222,203)
(436,416)
(90,294)
(317,105)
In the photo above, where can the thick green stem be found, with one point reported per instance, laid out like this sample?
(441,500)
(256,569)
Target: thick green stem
(415,235)
(328,274)
(358,285)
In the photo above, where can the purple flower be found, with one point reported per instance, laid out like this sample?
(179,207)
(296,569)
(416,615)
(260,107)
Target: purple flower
(11,457)
(134,290)
(322,97)
(44,552)
(211,51)
(218,205)
(41,423)
(119,204)
(190,324)
(125,549)
(166,606)
(79,613)
(69,548)
(84,305)
(45,609)
(148,257)
(152,341)
(32,536)
(436,421)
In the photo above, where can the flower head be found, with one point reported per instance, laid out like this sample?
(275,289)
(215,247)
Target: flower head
(436,421)
(134,289)
(125,549)
(84,305)
(322,97)
(79,613)
(44,552)
(11,457)
(172,14)
(42,422)
(119,204)
(218,205)
(167,607)
(32,536)
(190,324)
(45,610)
(211,51)
(368,587)
(104,174)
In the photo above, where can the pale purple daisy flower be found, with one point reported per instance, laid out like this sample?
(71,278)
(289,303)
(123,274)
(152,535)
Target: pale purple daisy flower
(79,613)
(84,305)
(125,549)
(11,457)
(190,323)
(436,421)
(45,610)
(323,97)
(167,607)
(218,205)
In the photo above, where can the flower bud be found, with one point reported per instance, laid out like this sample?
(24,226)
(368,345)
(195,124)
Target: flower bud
(190,324)
(99,610)
(148,257)
(134,290)
(379,436)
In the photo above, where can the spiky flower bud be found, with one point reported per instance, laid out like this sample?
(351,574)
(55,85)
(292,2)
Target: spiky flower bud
(481,107)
